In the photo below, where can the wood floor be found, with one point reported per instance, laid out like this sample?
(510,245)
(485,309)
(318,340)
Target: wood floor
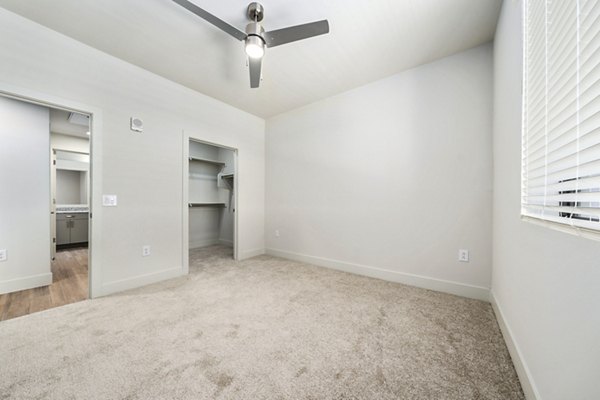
(70,284)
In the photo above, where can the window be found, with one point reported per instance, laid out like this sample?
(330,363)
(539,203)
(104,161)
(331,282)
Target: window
(561,112)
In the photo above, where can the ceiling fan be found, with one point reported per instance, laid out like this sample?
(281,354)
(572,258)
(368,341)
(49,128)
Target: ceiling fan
(255,36)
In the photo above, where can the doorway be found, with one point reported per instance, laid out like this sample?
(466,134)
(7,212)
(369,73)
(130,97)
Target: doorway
(210,201)
(46,162)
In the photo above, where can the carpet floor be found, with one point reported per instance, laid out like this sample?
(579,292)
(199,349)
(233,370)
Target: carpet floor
(264,328)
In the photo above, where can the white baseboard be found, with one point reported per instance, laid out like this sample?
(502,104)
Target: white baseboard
(459,289)
(28,282)
(226,242)
(203,243)
(523,372)
(251,253)
(139,281)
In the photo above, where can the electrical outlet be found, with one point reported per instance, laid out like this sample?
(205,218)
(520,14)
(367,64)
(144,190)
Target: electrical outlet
(3,255)
(145,251)
(463,255)
(277,233)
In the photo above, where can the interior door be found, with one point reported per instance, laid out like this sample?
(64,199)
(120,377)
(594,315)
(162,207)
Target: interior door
(53,204)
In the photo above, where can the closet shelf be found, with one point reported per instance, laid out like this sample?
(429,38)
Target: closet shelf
(207,161)
(215,205)
(202,177)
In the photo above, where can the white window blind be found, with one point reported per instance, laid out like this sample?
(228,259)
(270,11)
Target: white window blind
(561,112)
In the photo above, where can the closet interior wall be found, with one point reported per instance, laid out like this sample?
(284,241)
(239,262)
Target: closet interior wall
(211,195)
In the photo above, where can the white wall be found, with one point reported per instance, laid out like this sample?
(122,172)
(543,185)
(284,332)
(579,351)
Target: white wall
(144,170)
(24,195)
(204,226)
(390,179)
(546,284)
(69,187)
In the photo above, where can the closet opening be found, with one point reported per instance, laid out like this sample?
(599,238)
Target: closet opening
(211,201)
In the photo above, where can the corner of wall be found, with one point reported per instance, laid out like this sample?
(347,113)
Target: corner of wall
(523,372)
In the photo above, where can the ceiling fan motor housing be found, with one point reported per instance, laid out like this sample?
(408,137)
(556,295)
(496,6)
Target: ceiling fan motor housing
(255,29)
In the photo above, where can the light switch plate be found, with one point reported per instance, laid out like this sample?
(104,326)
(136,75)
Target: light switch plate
(109,200)
(3,255)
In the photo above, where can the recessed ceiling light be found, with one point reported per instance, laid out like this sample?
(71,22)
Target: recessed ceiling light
(88,133)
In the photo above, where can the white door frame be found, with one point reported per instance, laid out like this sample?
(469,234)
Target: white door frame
(46,100)
(185,259)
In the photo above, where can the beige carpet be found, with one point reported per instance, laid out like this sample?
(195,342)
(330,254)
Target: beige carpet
(264,328)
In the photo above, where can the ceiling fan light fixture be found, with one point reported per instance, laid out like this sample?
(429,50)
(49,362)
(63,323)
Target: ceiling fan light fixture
(255,47)
(255,38)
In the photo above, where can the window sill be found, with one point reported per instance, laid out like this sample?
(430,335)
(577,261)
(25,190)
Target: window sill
(555,226)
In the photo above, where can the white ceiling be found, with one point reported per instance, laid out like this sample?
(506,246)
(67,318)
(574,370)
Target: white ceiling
(59,123)
(369,40)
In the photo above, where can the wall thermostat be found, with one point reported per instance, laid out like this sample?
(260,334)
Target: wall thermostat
(137,125)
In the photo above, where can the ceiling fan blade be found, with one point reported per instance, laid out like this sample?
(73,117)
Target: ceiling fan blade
(255,65)
(294,33)
(219,23)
